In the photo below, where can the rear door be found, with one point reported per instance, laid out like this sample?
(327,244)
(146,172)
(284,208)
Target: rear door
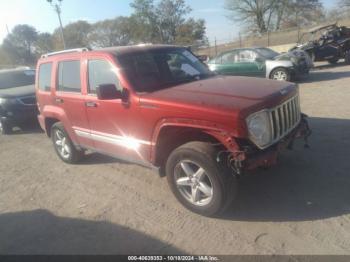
(248,65)
(226,64)
(68,96)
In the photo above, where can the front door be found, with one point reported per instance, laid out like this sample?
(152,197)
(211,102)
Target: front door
(109,119)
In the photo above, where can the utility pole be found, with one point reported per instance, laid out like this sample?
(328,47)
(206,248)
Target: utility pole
(216,48)
(7,29)
(240,40)
(57,8)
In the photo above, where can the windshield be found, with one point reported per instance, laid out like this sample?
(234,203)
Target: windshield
(153,70)
(267,53)
(10,79)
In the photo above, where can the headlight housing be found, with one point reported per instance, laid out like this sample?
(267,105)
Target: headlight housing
(8,101)
(259,128)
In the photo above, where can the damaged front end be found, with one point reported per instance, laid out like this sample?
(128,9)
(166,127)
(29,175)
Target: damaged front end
(250,157)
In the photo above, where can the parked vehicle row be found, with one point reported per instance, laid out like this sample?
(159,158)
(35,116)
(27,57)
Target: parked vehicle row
(262,62)
(160,106)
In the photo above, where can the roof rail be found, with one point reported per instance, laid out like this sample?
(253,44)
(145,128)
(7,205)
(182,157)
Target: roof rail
(84,49)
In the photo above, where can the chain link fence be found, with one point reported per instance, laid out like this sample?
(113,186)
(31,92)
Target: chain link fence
(271,39)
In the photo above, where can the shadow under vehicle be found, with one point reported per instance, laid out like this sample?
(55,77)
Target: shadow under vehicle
(326,43)
(40,232)
(17,99)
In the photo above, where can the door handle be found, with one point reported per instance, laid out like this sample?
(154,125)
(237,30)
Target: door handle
(90,104)
(59,100)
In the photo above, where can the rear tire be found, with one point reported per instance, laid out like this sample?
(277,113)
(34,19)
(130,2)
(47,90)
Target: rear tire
(5,128)
(280,74)
(198,181)
(64,146)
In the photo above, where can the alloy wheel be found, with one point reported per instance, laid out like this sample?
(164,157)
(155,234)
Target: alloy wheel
(193,183)
(280,76)
(62,145)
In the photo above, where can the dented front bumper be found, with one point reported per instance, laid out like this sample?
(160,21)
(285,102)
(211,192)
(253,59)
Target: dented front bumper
(268,157)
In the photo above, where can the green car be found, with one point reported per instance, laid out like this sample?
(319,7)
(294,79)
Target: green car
(262,62)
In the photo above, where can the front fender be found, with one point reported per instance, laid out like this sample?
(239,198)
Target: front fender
(219,132)
(272,64)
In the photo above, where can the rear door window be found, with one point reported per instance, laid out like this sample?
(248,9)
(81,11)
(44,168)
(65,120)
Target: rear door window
(44,82)
(229,58)
(69,76)
(247,56)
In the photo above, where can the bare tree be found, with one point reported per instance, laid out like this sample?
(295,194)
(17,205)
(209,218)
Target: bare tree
(303,12)
(269,15)
(257,13)
(344,3)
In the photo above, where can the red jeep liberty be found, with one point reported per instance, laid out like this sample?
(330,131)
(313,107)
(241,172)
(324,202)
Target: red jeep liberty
(160,106)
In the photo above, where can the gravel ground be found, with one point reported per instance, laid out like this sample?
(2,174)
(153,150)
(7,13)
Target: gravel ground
(104,206)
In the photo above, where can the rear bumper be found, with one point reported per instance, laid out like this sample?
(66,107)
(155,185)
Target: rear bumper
(268,157)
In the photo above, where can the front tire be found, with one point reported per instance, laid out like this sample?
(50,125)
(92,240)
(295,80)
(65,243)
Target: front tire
(280,74)
(198,181)
(64,146)
(5,128)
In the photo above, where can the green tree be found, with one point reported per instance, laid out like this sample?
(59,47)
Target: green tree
(191,32)
(170,16)
(75,34)
(144,22)
(162,23)
(44,43)
(110,32)
(19,45)
(5,61)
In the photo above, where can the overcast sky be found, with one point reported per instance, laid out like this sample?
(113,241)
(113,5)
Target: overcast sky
(39,14)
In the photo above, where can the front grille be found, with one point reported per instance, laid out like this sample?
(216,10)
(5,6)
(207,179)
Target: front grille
(28,101)
(284,118)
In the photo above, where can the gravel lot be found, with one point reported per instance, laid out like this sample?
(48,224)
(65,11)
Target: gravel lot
(104,206)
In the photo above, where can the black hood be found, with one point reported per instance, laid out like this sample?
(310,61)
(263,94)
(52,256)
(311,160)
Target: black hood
(15,92)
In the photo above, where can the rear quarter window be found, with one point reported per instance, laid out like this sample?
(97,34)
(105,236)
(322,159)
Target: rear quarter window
(44,81)
(69,76)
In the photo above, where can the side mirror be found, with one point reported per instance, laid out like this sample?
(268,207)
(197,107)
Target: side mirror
(108,92)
